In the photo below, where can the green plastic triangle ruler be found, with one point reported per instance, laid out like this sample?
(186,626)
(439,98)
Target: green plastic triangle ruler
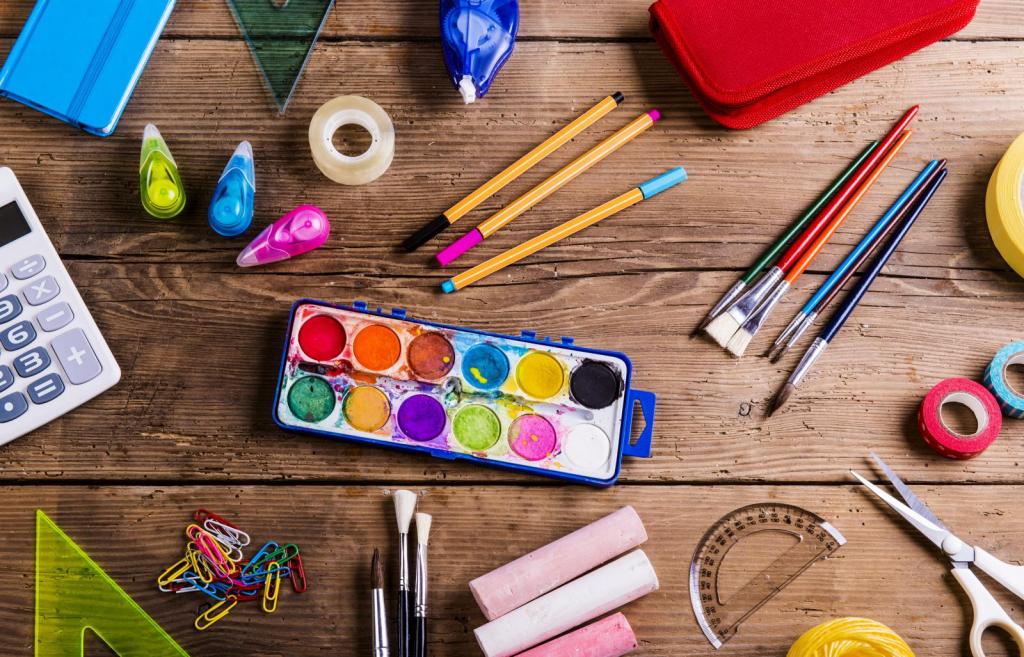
(74,597)
(281,35)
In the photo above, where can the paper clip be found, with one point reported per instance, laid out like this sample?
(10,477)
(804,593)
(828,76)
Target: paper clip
(202,515)
(271,591)
(203,587)
(297,574)
(260,557)
(200,564)
(233,535)
(172,573)
(215,613)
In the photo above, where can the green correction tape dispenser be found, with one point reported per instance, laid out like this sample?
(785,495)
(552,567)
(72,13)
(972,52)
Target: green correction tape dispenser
(160,188)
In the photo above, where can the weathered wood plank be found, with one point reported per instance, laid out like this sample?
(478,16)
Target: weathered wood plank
(607,19)
(134,532)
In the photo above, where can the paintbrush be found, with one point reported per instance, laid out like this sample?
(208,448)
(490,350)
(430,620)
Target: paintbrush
(824,296)
(772,253)
(828,334)
(741,338)
(380,616)
(405,504)
(419,616)
(722,328)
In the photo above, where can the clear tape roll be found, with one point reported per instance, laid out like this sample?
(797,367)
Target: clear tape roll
(352,169)
(1004,206)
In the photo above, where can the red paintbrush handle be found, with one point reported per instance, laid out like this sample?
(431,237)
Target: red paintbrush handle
(839,200)
(812,251)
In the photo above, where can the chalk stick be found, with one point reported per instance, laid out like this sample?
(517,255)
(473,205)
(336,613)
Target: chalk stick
(596,593)
(609,637)
(545,569)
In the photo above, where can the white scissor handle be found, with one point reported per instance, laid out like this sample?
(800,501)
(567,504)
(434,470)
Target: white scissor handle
(987,612)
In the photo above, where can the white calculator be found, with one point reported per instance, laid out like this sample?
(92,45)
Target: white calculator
(52,356)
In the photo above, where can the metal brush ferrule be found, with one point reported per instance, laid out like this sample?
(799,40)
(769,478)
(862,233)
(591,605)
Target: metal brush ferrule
(800,330)
(403,562)
(754,323)
(380,625)
(420,605)
(812,354)
(751,299)
(786,332)
(724,302)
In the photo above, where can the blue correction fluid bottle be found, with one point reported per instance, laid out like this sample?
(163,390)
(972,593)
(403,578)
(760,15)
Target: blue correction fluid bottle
(231,209)
(477,37)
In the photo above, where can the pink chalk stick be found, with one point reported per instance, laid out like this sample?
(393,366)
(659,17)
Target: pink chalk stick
(608,637)
(452,252)
(545,569)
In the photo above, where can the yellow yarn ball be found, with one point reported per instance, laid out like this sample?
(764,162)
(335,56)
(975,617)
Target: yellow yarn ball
(850,637)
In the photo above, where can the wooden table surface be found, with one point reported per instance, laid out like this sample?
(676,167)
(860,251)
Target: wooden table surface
(199,340)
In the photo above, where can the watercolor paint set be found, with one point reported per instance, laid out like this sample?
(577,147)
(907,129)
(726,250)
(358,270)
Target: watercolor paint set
(522,403)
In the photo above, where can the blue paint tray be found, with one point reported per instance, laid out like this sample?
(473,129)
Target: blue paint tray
(520,403)
(79,61)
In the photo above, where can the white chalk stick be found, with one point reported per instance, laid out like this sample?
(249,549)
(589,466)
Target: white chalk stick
(582,600)
(609,637)
(545,569)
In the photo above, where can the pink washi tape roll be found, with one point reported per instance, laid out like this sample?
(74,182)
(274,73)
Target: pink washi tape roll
(944,440)
(608,637)
(545,569)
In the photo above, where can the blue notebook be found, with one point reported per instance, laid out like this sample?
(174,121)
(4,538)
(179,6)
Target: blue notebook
(79,61)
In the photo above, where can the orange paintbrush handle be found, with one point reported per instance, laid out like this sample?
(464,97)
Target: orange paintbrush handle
(805,260)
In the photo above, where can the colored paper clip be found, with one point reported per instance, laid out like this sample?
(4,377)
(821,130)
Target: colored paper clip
(215,613)
(259,559)
(173,573)
(202,515)
(232,534)
(204,587)
(200,564)
(297,574)
(272,587)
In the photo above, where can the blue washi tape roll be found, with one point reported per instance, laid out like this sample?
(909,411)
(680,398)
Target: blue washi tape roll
(1010,401)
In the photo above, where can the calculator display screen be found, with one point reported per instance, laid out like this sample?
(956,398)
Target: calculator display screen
(12,224)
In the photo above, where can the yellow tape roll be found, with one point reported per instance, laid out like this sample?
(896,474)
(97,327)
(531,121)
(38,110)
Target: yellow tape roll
(850,637)
(1004,207)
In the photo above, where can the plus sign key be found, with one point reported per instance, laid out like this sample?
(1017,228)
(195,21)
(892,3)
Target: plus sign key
(77,357)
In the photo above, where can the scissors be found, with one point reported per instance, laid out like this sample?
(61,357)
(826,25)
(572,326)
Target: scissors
(987,612)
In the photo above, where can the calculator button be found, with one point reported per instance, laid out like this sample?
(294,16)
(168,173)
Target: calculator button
(77,357)
(28,267)
(10,308)
(55,317)
(41,291)
(32,362)
(12,407)
(46,389)
(3,282)
(20,335)
(6,378)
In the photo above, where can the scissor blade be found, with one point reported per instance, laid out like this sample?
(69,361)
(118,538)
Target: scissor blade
(933,533)
(908,495)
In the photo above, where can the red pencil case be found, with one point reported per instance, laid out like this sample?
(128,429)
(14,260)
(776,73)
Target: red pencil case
(748,61)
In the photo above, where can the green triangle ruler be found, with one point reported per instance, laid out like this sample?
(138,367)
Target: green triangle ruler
(74,595)
(281,35)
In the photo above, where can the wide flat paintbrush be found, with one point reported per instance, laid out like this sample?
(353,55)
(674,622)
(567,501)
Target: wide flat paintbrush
(405,504)
(831,329)
(722,328)
(419,615)
(380,616)
(741,339)
(772,254)
(831,288)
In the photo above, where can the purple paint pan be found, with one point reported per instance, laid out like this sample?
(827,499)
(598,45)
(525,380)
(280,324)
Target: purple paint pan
(422,418)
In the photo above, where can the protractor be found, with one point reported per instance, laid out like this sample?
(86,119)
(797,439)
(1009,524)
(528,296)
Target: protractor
(720,618)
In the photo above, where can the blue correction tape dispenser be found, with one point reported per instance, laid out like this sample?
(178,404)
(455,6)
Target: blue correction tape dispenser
(478,37)
(233,201)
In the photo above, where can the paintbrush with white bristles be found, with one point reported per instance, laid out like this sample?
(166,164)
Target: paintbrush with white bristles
(741,338)
(772,254)
(405,504)
(722,328)
(419,614)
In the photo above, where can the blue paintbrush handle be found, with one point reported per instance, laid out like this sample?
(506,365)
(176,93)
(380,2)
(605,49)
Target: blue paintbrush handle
(857,293)
(879,227)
